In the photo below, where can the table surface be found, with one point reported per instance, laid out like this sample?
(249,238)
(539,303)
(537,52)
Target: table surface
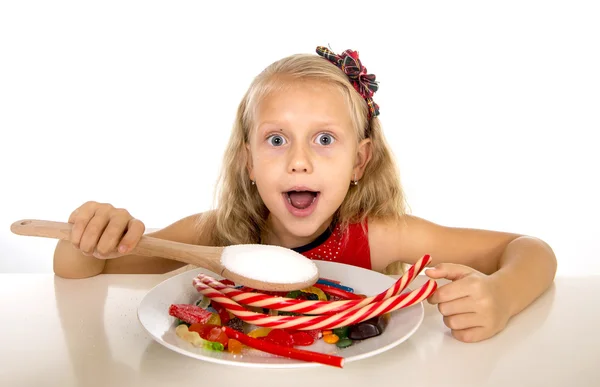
(58,332)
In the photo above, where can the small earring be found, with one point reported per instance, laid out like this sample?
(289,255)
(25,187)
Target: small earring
(253,183)
(355,182)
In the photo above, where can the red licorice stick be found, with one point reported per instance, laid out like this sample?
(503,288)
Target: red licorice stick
(337,292)
(292,353)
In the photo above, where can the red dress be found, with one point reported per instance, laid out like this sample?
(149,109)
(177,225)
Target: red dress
(351,248)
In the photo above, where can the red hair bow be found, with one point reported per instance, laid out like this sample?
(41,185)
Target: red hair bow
(364,83)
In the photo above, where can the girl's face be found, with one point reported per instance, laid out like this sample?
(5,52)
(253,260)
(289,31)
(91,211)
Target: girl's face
(303,157)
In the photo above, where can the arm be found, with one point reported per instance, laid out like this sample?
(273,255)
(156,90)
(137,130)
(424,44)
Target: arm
(483,250)
(510,270)
(526,269)
(70,262)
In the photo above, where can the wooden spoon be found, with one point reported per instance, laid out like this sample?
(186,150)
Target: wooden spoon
(264,267)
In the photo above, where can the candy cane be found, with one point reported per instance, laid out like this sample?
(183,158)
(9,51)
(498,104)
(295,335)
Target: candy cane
(321,321)
(311,306)
(275,303)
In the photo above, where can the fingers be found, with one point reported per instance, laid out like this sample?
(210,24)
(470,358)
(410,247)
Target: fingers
(135,230)
(449,271)
(449,292)
(461,305)
(80,219)
(111,236)
(462,321)
(468,304)
(100,229)
(472,335)
(92,233)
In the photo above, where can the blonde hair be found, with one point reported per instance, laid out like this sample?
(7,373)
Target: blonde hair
(240,215)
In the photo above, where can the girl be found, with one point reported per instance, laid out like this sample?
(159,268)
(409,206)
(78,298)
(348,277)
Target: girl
(308,168)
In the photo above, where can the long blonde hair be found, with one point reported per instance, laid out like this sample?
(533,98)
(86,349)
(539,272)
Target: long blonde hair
(240,215)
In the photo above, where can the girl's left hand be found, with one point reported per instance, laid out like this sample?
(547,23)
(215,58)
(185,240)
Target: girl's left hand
(473,304)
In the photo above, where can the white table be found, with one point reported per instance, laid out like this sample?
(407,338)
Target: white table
(57,332)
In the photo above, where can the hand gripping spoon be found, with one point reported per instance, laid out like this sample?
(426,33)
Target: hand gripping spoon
(264,267)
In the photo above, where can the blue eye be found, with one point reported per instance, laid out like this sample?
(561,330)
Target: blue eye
(325,139)
(276,140)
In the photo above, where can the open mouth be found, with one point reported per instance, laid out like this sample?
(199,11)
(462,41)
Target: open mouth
(301,199)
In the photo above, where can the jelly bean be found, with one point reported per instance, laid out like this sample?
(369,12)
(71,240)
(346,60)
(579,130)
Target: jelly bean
(343,343)
(330,339)
(234,346)
(259,332)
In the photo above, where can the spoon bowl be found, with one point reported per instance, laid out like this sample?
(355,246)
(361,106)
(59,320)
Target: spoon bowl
(263,267)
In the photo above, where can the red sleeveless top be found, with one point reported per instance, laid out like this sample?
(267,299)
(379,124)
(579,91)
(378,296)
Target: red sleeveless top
(350,247)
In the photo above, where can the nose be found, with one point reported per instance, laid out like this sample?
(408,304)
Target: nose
(299,160)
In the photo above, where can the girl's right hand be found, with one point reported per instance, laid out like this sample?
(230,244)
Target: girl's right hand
(103,231)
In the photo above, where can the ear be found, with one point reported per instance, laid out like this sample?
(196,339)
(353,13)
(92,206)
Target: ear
(363,156)
(249,165)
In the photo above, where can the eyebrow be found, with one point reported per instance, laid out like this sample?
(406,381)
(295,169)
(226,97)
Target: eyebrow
(270,123)
(283,123)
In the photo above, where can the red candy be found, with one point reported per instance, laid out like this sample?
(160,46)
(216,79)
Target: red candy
(302,338)
(280,337)
(293,353)
(223,313)
(191,314)
(314,333)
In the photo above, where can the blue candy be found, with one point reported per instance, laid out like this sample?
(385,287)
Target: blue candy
(333,284)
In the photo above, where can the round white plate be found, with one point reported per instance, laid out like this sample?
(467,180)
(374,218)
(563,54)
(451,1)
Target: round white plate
(153,313)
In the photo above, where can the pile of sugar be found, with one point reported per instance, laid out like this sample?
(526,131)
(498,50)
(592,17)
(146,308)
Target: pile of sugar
(268,263)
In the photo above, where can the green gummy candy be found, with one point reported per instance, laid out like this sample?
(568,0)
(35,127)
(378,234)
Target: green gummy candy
(341,332)
(343,343)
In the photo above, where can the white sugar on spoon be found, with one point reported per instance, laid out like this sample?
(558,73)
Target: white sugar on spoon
(267,263)
(264,267)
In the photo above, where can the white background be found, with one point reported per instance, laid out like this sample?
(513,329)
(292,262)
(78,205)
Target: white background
(492,110)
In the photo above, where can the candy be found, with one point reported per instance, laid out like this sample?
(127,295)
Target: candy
(259,300)
(319,314)
(331,338)
(280,337)
(194,338)
(302,338)
(259,332)
(367,329)
(336,291)
(291,352)
(335,285)
(315,333)
(341,332)
(189,313)
(337,320)
(343,343)
(234,346)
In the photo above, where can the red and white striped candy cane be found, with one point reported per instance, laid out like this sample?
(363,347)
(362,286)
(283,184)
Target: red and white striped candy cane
(348,317)
(285,304)
(312,306)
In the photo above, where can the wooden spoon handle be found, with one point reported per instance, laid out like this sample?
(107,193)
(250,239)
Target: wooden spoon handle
(208,257)
(42,228)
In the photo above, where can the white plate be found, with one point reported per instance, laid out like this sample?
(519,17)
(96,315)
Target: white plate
(154,317)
